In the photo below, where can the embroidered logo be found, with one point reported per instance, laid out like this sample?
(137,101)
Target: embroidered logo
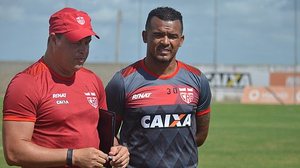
(186,94)
(80,20)
(60,98)
(92,99)
(141,96)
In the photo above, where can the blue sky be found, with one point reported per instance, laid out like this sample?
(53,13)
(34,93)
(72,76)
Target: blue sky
(248,31)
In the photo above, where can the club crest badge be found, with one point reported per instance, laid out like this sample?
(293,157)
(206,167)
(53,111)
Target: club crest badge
(92,99)
(186,94)
(80,20)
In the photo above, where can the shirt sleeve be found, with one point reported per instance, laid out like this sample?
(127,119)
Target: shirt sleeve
(205,96)
(115,94)
(102,95)
(21,99)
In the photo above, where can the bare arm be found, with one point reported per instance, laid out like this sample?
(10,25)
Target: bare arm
(202,128)
(20,151)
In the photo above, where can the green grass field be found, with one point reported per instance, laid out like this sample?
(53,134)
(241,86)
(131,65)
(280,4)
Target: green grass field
(252,136)
(247,136)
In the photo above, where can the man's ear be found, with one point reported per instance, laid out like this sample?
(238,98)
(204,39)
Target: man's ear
(182,40)
(52,37)
(144,35)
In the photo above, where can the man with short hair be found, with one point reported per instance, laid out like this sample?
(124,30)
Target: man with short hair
(51,109)
(163,104)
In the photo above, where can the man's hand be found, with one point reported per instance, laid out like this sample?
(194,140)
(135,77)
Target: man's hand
(89,158)
(120,156)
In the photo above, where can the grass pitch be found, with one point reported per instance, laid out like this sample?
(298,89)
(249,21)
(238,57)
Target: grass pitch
(246,136)
(252,136)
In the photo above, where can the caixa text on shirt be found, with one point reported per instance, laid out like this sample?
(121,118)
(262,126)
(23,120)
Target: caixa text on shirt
(166,120)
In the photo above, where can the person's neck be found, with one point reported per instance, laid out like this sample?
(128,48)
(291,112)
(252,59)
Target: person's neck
(161,68)
(48,59)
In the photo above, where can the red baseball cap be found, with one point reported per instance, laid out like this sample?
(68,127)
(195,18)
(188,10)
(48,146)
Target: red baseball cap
(74,24)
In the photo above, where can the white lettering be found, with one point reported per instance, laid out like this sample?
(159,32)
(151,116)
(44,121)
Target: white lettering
(157,122)
(177,118)
(141,96)
(59,95)
(187,121)
(62,102)
(145,121)
(166,121)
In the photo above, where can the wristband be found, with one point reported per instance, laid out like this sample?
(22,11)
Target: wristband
(69,157)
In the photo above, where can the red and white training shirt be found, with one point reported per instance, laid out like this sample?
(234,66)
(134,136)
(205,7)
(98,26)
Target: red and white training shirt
(64,110)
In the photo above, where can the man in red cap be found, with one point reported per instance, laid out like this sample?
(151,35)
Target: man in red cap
(50,111)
